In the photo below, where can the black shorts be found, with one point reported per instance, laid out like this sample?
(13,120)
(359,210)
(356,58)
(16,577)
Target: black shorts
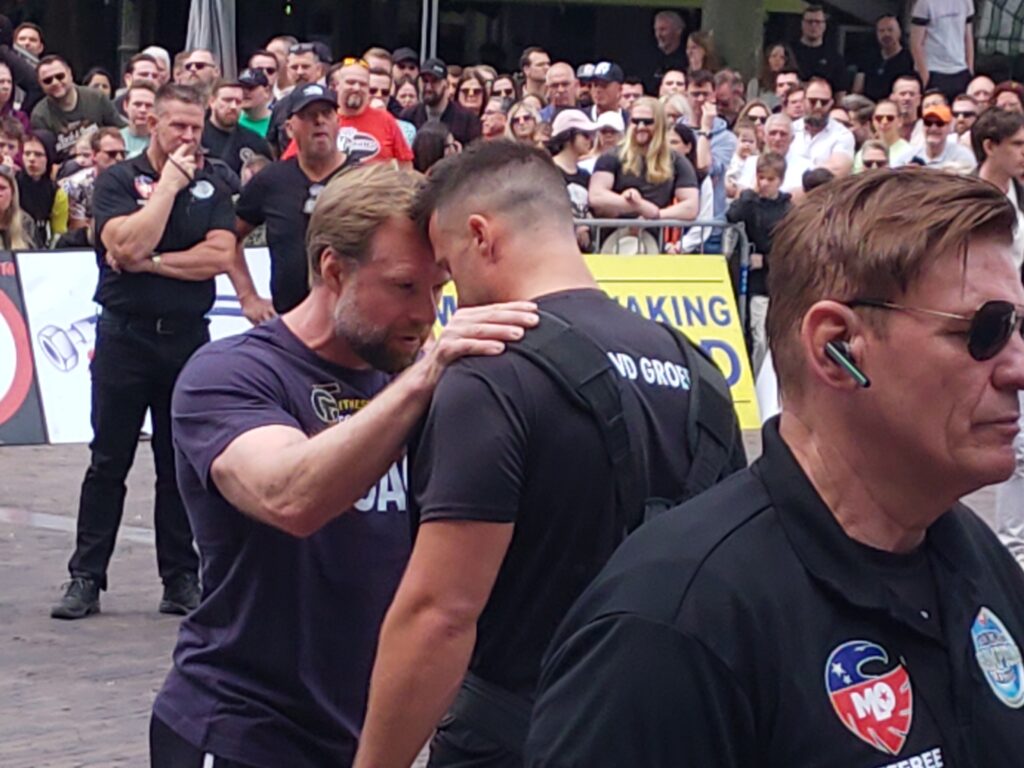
(168,750)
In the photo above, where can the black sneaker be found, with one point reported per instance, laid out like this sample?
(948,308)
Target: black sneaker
(81,598)
(181,595)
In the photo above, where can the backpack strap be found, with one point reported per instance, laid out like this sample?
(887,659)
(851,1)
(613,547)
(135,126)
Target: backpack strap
(585,373)
(711,426)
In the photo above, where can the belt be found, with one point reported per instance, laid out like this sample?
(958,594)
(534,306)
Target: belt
(166,325)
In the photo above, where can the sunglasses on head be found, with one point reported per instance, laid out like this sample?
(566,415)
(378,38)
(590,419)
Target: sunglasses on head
(990,330)
(349,61)
(59,77)
(646,122)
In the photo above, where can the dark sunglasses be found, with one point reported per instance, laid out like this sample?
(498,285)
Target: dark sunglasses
(991,326)
(59,77)
(197,66)
(818,102)
(885,118)
(267,70)
(646,122)
(759,119)
(471,91)
(113,153)
(504,91)
(379,91)
(965,114)
(876,164)
(932,123)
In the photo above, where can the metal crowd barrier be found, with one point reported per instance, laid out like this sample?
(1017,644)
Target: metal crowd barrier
(628,237)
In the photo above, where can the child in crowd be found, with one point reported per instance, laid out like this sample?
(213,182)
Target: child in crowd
(760,212)
(746,146)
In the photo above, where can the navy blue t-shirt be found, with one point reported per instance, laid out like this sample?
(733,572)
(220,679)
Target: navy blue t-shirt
(272,668)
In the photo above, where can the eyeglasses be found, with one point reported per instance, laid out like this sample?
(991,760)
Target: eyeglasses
(965,114)
(885,118)
(519,119)
(876,164)
(932,123)
(471,91)
(818,102)
(991,326)
(197,66)
(645,122)
(350,61)
(59,77)
(379,91)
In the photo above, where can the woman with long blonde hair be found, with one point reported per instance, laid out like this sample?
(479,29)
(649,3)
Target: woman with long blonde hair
(643,177)
(15,224)
(523,119)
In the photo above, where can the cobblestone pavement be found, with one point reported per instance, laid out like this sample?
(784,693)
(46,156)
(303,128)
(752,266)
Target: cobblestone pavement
(79,693)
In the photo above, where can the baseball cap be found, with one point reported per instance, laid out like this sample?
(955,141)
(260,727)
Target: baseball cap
(611,120)
(939,112)
(403,55)
(585,72)
(434,67)
(609,72)
(310,94)
(572,119)
(251,78)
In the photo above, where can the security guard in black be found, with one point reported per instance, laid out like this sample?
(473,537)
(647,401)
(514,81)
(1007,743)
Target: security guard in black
(746,628)
(170,225)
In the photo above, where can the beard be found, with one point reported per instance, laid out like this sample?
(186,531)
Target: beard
(371,342)
(815,121)
(354,101)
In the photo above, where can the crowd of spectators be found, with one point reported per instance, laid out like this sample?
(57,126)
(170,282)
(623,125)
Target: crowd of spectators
(692,140)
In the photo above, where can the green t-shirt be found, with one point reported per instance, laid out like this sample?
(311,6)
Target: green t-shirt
(260,126)
(92,112)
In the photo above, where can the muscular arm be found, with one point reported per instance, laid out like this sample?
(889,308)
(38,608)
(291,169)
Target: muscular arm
(255,308)
(686,206)
(132,239)
(917,34)
(282,478)
(604,201)
(428,636)
(208,258)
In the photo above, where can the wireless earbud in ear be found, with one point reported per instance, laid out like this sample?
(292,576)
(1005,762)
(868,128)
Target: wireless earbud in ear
(840,353)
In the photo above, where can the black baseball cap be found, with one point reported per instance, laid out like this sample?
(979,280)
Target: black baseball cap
(609,72)
(405,54)
(312,93)
(251,78)
(434,67)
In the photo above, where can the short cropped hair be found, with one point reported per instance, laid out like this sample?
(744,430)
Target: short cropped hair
(378,53)
(512,177)
(29,25)
(524,60)
(816,177)
(52,58)
(858,237)
(996,125)
(701,77)
(140,57)
(186,94)
(141,85)
(773,162)
(353,207)
(222,84)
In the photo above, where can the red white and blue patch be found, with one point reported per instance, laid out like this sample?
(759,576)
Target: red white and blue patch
(999,658)
(872,698)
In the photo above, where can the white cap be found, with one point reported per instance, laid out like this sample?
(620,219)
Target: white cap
(612,119)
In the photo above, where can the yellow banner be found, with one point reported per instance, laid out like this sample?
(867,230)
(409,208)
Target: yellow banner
(693,293)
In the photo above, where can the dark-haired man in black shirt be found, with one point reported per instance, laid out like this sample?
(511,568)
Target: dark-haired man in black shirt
(887,62)
(814,56)
(506,468)
(437,104)
(164,230)
(223,137)
(283,196)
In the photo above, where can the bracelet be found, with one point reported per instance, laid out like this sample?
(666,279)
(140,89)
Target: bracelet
(155,258)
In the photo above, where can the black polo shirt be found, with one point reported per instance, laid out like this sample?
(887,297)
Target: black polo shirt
(880,73)
(745,628)
(463,124)
(202,206)
(236,146)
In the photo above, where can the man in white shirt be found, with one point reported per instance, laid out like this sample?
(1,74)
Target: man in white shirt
(778,137)
(937,151)
(942,44)
(820,139)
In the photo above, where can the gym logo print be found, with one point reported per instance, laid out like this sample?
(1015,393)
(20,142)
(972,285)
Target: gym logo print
(999,658)
(330,407)
(877,708)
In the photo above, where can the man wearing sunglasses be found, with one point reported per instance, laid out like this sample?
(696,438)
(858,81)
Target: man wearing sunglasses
(835,599)
(200,71)
(937,151)
(108,149)
(819,138)
(69,111)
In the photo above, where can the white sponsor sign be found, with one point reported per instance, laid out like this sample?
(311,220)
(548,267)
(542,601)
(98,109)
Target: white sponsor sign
(58,287)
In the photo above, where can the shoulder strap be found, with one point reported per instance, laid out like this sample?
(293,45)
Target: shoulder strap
(584,372)
(711,422)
